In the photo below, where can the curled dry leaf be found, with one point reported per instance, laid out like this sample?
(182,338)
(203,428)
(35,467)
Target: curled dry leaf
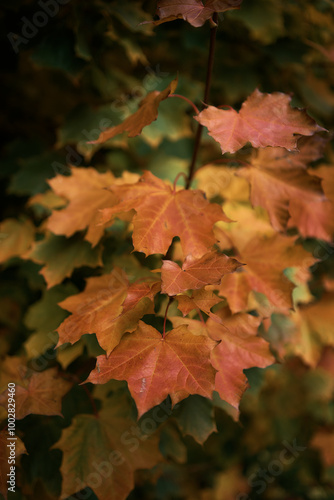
(146,114)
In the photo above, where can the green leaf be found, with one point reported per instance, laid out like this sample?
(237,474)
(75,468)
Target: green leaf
(195,417)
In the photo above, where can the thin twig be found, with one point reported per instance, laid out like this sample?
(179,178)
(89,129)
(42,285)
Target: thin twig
(206,98)
(165,318)
(187,100)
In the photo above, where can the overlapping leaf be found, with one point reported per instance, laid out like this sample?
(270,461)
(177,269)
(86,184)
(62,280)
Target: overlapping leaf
(146,114)
(200,299)
(101,453)
(154,366)
(263,120)
(239,348)
(266,255)
(61,256)
(85,190)
(15,238)
(109,307)
(39,392)
(196,273)
(162,214)
(295,193)
(192,11)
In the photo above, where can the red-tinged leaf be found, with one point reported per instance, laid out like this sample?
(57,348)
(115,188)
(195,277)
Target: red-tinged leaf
(146,114)
(86,193)
(274,189)
(236,288)
(155,367)
(263,120)
(108,307)
(326,174)
(103,453)
(265,259)
(5,449)
(200,299)
(208,270)
(323,440)
(15,238)
(41,394)
(61,255)
(162,214)
(239,348)
(313,216)
(306,331)
(194,326)
(192,11)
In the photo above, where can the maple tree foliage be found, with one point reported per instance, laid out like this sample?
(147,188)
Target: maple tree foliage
(164,303)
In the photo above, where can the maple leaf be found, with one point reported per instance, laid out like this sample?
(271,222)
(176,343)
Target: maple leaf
(266,259)
(85,190)
(39,393)
(236,288)
(162,214)
(61,255)
(15,238)
(323,440)
(108,307)
(239,348)
(200,299)
(266,255)
(305,331)
(222,181)
(192,11)
(314,216)
(154,366)
(263,120)
(101,453)
(146,114)
(195,273)
(195,417)
(18,449)
(292,189)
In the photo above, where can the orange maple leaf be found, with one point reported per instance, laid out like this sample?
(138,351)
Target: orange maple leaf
(196,273)
(265,259)
(85,190)
(154,366)
(38,392)
(239,348)
(108,307)
(200,299)
(263,120)
(162,214)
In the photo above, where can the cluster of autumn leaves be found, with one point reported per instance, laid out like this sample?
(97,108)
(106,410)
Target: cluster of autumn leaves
(230,265)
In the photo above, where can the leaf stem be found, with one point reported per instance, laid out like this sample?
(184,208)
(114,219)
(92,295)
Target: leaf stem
(165,318)
(199,130)
(177,178)
(187,100)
